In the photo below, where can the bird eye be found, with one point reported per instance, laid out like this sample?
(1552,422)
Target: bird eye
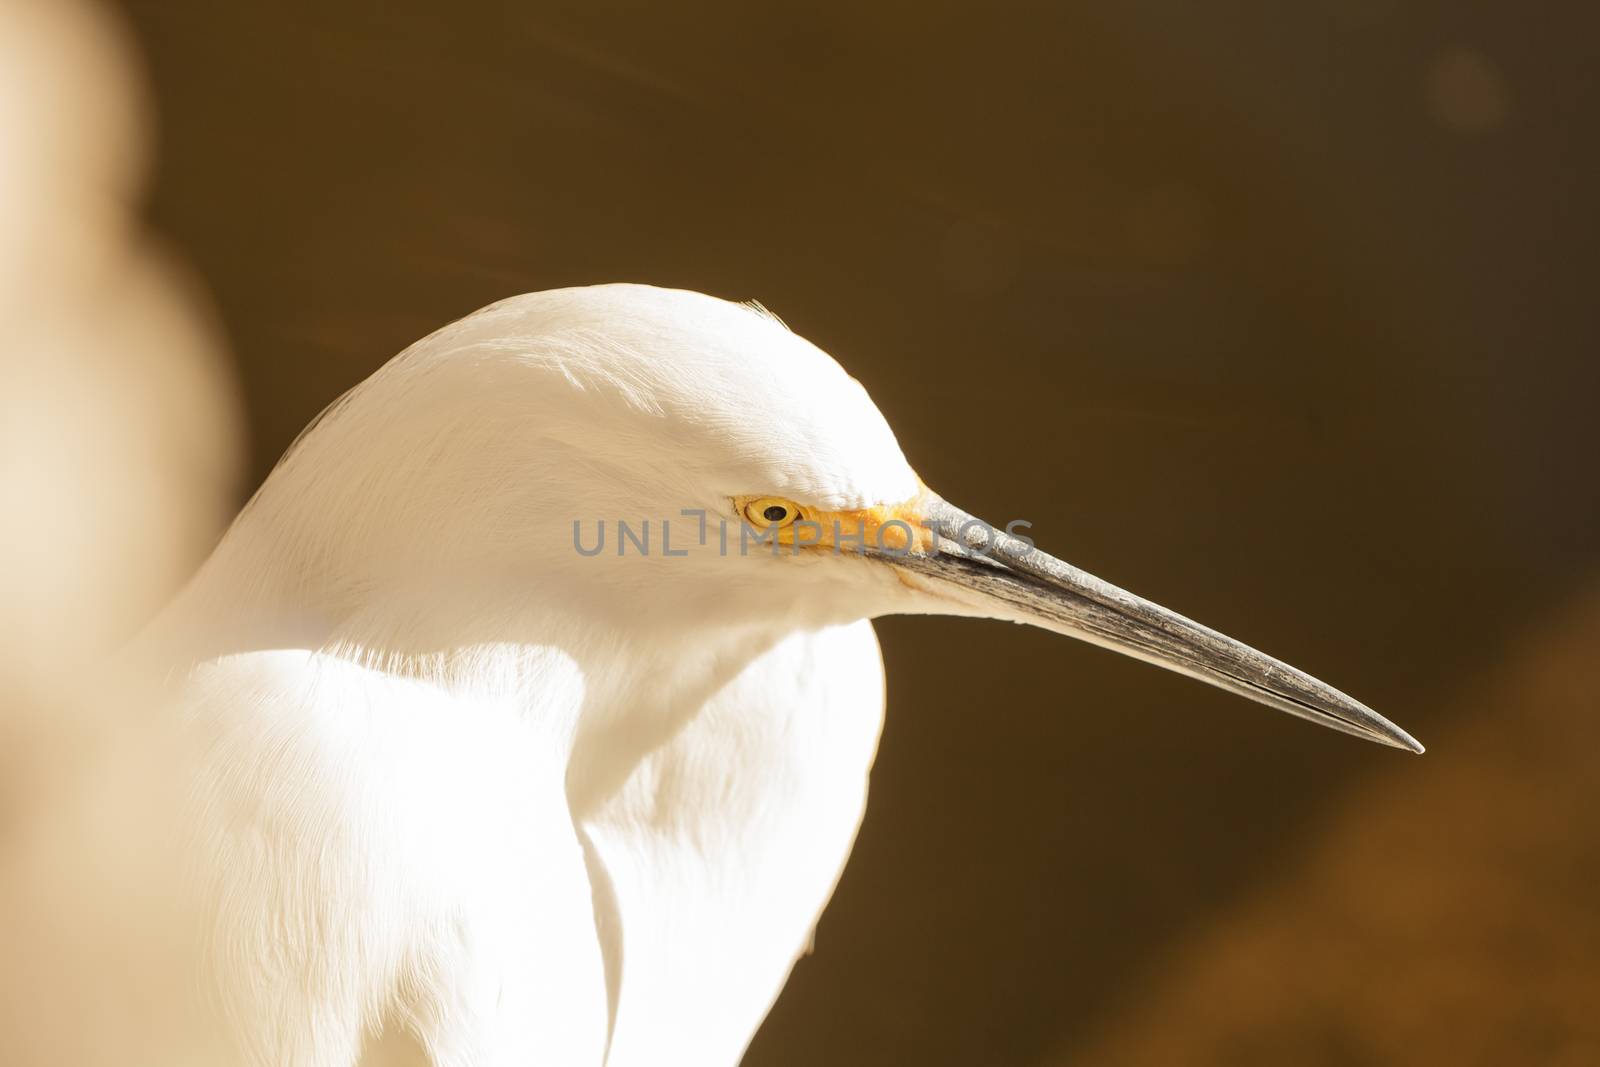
(770,511)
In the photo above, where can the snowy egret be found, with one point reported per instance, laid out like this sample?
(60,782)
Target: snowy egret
(535,691)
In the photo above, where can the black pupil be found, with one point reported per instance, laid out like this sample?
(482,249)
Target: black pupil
(775,513)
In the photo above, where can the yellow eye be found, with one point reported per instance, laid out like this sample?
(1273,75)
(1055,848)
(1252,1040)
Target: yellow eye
(765,511)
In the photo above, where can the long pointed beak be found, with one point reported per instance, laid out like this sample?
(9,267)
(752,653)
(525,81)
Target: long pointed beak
(991,570)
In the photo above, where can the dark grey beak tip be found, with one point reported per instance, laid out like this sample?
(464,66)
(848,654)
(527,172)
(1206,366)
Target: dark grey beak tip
(1400,739)
(1343,713)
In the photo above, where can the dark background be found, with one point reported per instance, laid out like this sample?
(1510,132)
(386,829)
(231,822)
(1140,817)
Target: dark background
(1280,314)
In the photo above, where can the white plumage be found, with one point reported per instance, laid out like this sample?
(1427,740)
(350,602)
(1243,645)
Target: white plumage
(459,777)
(457,780)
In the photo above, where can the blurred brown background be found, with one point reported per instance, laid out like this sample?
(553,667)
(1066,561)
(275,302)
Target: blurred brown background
(1282,315)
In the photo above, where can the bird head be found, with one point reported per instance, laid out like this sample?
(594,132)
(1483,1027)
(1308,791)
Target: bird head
(663,456)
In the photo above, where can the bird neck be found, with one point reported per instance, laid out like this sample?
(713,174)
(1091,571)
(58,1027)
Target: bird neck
(605,694)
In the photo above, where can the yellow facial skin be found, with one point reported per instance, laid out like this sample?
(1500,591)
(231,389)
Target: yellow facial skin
(894,528)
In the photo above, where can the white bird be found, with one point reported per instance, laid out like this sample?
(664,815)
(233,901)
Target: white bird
(460,775)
